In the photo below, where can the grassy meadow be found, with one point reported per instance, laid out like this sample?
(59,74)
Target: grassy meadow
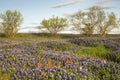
(64,57)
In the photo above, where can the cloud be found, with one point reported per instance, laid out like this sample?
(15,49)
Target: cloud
(34,23)
(29,27)
(68,14)
(70,2)
(108,7)
(104,1)
(101,7)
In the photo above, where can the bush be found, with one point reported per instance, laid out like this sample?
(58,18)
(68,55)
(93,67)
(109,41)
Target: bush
(114,56)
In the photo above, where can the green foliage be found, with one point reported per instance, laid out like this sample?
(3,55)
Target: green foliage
(95,52)
(53,25)
(11,20)
(4,76)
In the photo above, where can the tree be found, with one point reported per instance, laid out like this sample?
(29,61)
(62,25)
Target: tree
(107,22)
(0,28)
(85,22)
(11,20)
(76,20)
(94,20)
(54,25)
(91,20)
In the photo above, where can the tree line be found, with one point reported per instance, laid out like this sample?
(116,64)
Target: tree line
(92,21)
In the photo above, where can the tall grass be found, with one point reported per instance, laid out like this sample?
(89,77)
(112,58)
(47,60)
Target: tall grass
(95,52)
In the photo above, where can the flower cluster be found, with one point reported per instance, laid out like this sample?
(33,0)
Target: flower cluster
(112,43)
(40,61)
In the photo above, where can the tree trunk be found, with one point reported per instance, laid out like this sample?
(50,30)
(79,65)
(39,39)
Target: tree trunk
(103,35)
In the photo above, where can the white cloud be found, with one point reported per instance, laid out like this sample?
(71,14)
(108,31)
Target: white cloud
(104,1)
(103,7)
(70,2)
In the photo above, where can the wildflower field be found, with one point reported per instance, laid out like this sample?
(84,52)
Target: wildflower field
(63,59)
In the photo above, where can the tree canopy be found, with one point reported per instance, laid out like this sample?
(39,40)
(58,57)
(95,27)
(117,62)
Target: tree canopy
(94,20)
(11,20)
(54,25)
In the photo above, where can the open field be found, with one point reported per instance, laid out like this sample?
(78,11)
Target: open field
(59,40)
(31,57)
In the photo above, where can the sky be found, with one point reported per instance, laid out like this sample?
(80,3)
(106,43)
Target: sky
(34,11)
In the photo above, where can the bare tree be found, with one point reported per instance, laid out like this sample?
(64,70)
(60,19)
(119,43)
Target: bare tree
(85,22)
(91,20)
(94,20)
(76,20)
(107,22)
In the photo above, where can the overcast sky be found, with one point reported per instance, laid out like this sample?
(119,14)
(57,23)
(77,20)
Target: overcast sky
(34,11)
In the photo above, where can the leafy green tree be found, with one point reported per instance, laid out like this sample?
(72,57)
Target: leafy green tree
(11,20)
(54,25)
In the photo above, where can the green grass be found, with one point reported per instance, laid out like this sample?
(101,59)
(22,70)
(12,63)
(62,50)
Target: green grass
(95,52)
(29,36)
(4,76)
